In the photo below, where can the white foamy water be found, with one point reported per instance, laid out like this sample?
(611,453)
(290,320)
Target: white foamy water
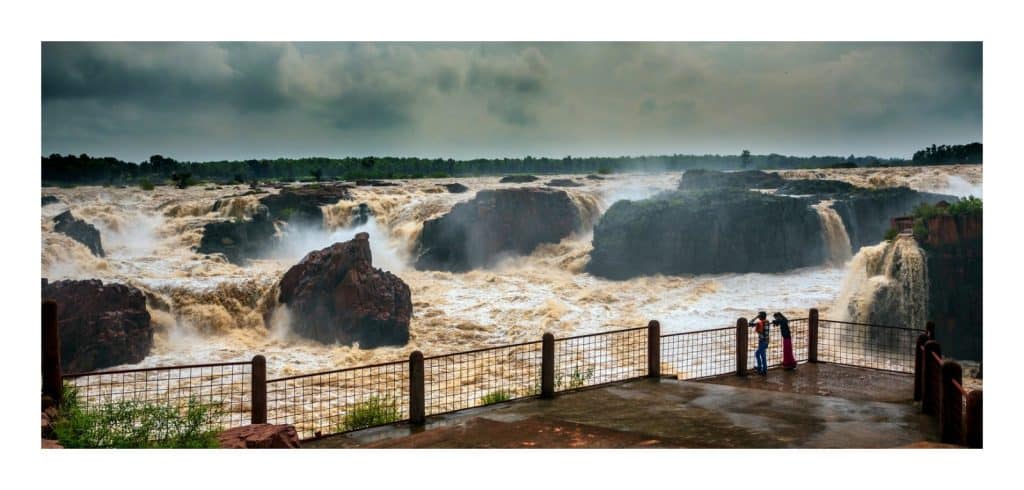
(208,310)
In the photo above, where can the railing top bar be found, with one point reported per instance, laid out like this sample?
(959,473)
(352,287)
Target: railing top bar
(722,329)
(921,330)
(959,387)
(335,371)
(474,351)
(158,368)
(601,333)
(937,357)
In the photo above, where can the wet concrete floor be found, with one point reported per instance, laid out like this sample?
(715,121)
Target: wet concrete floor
(808,408)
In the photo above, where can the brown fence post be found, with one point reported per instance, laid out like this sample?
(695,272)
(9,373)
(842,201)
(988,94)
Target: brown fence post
(929,329)
(654,349)
(812,335)
(951,411)
(547,366)
(742,347)
(932,379)
(52,383)
(417,389)
(919,365)
(972,429)
(259,389)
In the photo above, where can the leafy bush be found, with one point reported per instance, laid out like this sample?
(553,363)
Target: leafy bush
(136,424)
(577,379)
(967,206)
(496,396)
(374,411)
(604,170)
(920,230)
(890,234)
(146,185)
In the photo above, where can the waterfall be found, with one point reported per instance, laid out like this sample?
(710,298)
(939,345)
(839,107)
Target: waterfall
(838,242)
(886,284)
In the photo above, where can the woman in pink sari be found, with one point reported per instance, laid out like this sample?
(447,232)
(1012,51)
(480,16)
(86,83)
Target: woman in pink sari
(788,361)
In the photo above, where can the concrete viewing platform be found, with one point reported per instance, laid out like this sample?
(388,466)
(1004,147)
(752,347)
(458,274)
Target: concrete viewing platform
(816,406)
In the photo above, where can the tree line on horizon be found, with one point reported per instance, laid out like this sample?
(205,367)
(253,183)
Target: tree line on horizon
(84,169)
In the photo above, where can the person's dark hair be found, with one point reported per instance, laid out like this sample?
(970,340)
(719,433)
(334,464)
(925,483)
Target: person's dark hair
(762,315)
(778,315)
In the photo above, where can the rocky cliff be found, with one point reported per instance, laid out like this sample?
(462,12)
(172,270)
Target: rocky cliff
(478,232)
(691,232)
(953,246)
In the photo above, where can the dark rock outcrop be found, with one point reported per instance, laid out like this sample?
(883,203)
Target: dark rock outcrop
(564,183)
(50,200)
(496,222)
(867,213)
(706,232)
(375,183)
(101,325)
(259,436)
(953,249)
(455,188)
(301,205)
(594,177)
(517,179)
(818,187)
(335,295)
(240,239)
(698,179)
(80,231)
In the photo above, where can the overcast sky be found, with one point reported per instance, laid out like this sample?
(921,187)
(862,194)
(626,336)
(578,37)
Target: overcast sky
(210,101)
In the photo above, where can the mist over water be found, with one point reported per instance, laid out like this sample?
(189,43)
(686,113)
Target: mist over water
(206,309)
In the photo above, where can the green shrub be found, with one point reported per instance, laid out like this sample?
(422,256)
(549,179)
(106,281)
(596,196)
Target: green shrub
(374,411)
(496,396)
(576,379)
(604,170)
(146,185)
(439,175)
(136,424)
(967,206)
(286,213)
(920,229)
(890,234)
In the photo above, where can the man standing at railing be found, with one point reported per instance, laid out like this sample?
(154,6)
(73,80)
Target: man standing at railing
(788,361)
(760,358)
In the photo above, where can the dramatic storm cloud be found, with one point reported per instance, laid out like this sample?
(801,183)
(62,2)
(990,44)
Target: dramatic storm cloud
(205,101)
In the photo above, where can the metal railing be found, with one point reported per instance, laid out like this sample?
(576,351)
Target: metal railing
(938,384)
(870,346)
(342,400)
(227,385)
(330,402)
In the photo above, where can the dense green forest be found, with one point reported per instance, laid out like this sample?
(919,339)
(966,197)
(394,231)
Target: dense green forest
(85,169)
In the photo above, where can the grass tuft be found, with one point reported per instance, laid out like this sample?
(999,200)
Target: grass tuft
(374,411)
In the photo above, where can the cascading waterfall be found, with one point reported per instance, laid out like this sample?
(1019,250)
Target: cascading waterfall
(836,238)
(887,284)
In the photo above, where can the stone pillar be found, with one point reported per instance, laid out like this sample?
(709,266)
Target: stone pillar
(951,413)
(52,382)
(742,347)
(259,389)
(812,335)
(547,367)
(654,349)
(931,379)
(972,422)
(417,389)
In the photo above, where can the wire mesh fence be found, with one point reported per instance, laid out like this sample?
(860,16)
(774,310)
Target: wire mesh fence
(224,387)
(481,377)
(699,354)
(339,401)
(589,360)
(870,346)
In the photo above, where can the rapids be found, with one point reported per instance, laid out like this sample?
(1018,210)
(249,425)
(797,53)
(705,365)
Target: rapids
(208,310)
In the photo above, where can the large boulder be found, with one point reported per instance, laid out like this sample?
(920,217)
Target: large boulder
(476,233)
(517,179)
(259,436)
(455,188)
(80,231)
(335,295)
(706,232)
(301,205)
(563,183)
(698,179)
(50,200)
(239,239)
(101,325)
